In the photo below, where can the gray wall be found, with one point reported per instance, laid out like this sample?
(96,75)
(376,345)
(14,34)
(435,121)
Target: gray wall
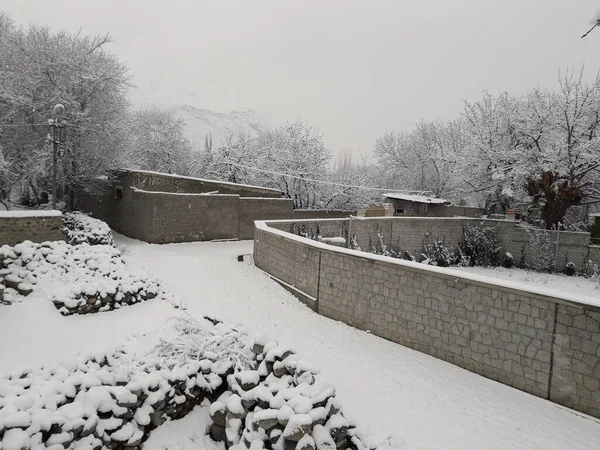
(543,345)
(162,208)
(14,230)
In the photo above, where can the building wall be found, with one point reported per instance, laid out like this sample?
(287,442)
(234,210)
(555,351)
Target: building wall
(191,217)
(163,208)
(251,209)
(31,227)
(543,345)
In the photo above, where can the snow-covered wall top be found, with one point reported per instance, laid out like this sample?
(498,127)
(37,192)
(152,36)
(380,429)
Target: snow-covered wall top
(30,213)
(33,225)
(202,180)
(459,276)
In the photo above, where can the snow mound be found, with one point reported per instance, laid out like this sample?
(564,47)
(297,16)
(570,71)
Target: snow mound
(81,228)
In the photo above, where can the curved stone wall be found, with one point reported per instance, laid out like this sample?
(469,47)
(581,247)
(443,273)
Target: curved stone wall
(525,337)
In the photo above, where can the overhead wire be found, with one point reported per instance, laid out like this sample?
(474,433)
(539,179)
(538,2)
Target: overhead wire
(331,183)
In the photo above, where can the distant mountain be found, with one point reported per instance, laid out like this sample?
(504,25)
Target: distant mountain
(200,122)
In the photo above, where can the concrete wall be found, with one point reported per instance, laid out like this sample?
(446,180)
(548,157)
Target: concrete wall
(251,209)
(543,345)
(34,226)
(192,217)
(163,208)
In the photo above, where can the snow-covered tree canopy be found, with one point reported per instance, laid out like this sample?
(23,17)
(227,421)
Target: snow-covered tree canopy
(40,68)
(541,148)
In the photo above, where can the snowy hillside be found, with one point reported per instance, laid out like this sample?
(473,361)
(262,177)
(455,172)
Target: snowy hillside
(202,121)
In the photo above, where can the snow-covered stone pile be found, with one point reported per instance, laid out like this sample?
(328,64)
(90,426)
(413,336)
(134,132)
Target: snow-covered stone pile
(113,400)
(262,396)
(79,279)
(282,404)
(83,229)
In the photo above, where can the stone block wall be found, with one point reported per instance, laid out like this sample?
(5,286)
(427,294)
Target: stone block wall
(546,346)
(35,226)
(576,371)
(294,263)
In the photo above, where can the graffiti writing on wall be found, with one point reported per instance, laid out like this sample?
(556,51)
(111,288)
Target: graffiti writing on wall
(153,181)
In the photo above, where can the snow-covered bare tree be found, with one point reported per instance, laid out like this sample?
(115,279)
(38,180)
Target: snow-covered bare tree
(543,145)
(158,142)
(296,150)
(424,159)
(39,68)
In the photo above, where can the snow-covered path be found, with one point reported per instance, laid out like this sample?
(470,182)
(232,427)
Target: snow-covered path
(424,402)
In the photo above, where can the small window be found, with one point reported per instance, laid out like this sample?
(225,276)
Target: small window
(399,211)
(119,193)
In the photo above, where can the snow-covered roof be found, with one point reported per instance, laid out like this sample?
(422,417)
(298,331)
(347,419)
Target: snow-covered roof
(415,198)
(31,213)
(204,180)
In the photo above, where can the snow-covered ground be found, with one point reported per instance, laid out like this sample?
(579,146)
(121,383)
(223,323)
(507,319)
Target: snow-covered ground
(556,281)
(424,402)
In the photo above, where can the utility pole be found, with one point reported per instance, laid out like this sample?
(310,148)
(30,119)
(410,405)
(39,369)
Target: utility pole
(57,125)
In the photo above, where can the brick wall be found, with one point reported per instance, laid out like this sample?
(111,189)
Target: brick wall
(35,226)
(543,345)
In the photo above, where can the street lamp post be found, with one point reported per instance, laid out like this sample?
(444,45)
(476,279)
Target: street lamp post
(58,127)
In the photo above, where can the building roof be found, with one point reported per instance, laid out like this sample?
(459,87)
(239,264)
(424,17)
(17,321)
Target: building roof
(415,198)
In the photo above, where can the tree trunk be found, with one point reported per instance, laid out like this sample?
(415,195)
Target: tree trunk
(558,196)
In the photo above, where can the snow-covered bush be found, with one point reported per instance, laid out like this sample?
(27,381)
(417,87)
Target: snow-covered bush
(437,253)
(354,245)
(481,245)
(81,228)
(79,279)
(543,250)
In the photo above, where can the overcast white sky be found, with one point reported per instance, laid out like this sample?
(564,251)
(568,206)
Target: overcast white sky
(353,68)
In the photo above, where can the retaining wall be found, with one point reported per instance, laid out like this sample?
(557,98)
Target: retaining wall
(524,337)
(35,226)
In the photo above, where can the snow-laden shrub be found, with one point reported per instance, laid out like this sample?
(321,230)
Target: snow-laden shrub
(81,228)
(380,247)
(437,253)
(481,245)
(79,279)
(543,250)
(354,245)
